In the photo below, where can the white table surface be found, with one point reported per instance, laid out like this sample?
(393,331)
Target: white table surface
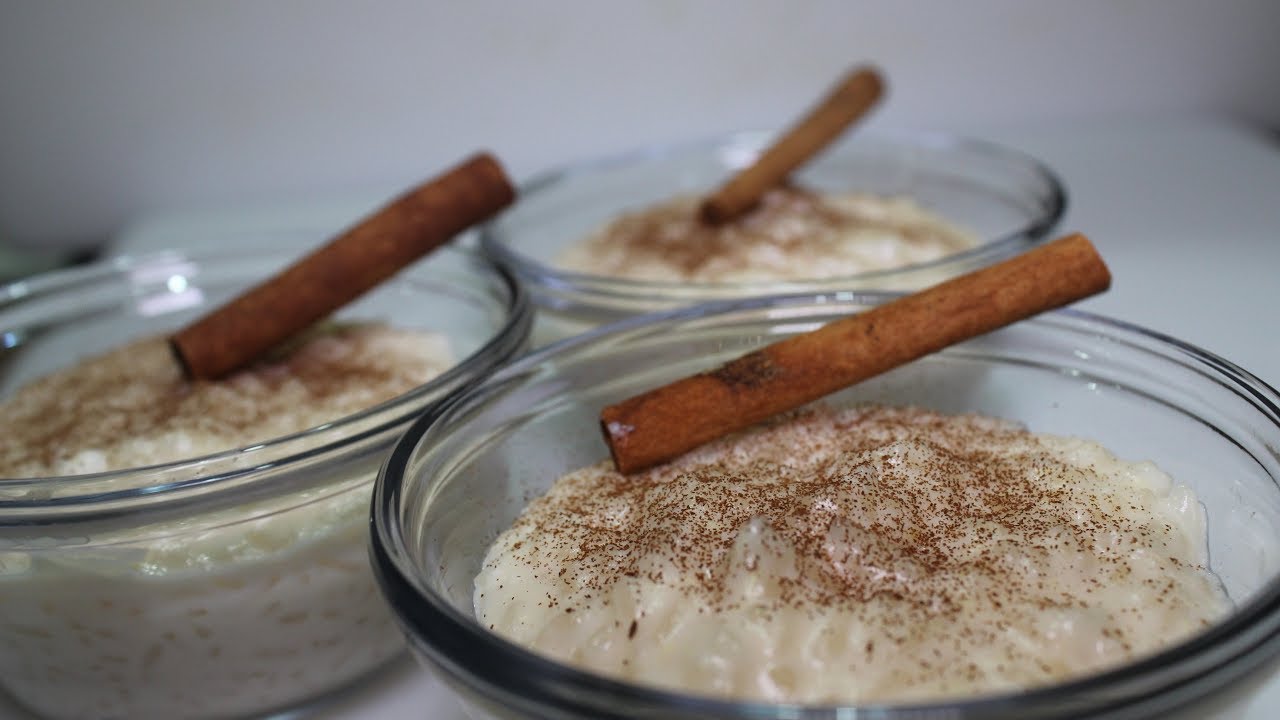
(1186,212)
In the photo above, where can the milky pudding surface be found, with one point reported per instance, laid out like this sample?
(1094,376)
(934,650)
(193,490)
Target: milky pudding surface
(221,613)
(131,407)
(871,554)
(794,234)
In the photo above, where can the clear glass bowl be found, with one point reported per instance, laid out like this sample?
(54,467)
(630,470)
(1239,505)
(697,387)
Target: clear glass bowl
(464,471)
(1010,199)
(228,585)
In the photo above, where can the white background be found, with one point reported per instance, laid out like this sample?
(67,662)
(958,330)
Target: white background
(116,108)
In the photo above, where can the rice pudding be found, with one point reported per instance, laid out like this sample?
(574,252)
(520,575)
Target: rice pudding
(794,234)
(860,555)
(216,614)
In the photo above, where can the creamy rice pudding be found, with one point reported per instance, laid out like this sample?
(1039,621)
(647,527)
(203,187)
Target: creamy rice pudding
(795,234)
(872,554)
(212,615)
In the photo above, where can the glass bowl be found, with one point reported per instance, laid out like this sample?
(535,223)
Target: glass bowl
(1010,200)
(227,585)
(464,471)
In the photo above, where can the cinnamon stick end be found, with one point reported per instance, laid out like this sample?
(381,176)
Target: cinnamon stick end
(1088,266)
(716,211)
(615,434)
(180,357)
(201,356)
(496,183)
(869,80)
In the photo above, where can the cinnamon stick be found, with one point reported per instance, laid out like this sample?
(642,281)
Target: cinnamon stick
(661,424)
(412,225)
(844,104)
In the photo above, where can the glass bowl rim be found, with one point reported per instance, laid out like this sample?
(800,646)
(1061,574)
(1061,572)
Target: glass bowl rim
(1229,648)
(505,340)
(543,273)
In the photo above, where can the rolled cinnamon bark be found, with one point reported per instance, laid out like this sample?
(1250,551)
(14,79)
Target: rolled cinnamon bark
(363,256)
(846,103)
(663,423)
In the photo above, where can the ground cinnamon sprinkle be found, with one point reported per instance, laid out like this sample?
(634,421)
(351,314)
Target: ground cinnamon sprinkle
(782,219)
(132,406)
(691,514)
(795,233)
(938,541)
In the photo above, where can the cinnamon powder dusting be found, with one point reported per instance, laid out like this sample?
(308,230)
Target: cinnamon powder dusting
(132,407)
(794,233)
(973,553)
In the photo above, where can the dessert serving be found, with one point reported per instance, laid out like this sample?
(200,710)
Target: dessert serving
(867,555)
(189,539)
(1063,517)
(975,556)
(219,614)
(758,227)
(804,210)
